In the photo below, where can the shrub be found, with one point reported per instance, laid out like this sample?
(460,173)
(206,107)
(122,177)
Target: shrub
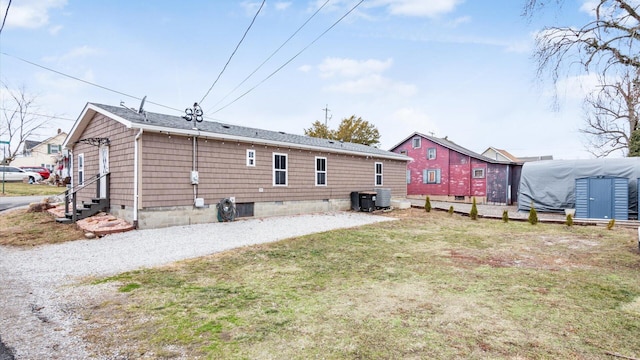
(451,210)
(473,214)
(533,215)
(427,204)
(505,216)
(611,224)
(569,220)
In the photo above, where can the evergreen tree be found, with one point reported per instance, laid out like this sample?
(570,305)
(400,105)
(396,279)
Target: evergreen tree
(473,214)
(533,215)
(427,205)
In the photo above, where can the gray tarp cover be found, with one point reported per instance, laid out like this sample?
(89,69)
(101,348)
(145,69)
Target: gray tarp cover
(551,184)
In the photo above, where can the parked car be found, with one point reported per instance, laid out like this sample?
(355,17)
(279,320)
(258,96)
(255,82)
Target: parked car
(43,171)
(12,173)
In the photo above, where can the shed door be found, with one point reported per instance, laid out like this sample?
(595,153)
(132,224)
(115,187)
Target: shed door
(600,199)
(104,168)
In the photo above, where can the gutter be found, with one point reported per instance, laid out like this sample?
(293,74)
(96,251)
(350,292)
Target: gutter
(135,179)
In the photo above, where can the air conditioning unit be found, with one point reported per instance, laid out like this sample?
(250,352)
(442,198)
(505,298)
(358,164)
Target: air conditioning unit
(383,198)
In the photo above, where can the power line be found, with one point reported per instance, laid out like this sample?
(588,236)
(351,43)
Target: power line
(5,16)
(290,60)
(270,56)
(88,82)
(43,115)
(234,51)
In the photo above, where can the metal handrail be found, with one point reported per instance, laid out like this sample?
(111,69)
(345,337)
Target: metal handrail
(73,192)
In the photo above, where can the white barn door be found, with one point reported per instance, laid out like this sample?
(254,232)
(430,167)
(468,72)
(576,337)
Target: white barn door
(103,158)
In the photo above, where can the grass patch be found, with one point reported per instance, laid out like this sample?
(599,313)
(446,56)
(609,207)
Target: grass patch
(23,189)
(22,228)
(430,285)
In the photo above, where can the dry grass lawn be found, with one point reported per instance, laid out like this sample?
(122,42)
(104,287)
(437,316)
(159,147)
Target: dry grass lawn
(22,228)
(430,285)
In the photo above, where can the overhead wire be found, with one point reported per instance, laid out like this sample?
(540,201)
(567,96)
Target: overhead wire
(271,56)
(88,82)
(234,51)
(43,115)
(4,20)
(291,59)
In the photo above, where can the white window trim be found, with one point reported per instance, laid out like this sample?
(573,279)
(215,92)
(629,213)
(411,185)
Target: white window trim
(437,174)
(435,153)
(381,174)
(81,170)
(286,170)
(319,172)
(249,159)
(413,142)
(474,173)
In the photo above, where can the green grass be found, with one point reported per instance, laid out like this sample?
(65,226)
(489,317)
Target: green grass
(430,285)
(22,189)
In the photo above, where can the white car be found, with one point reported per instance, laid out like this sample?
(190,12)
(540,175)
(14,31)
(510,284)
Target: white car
(12,173)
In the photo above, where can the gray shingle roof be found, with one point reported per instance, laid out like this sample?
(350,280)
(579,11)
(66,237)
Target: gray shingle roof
(170,122)
(453,146)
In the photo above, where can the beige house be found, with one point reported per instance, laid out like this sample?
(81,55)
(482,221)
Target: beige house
(47,153)
(164,170)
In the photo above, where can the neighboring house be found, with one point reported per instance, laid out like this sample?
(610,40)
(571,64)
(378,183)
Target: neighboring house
(47,153)
(151,158)
(446,171)
(503,155)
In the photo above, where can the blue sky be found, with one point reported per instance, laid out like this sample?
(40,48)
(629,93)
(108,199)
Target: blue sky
(455,68)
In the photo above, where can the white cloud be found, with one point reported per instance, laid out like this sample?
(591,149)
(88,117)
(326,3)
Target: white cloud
(30,14)
(54,30)
(577,87)
(77,53)
(282,5)
(419,8)
(460,20)
(589,7)
(371,84)
(352,68)
(305,68)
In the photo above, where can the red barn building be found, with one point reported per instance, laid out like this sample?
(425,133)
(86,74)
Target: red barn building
(446,171)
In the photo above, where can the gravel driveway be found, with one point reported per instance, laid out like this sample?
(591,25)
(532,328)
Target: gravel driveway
(39,304)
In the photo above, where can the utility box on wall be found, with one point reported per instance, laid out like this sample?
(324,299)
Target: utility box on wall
(602,197)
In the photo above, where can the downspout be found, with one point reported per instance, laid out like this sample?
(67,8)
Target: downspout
(135,179)
(195,169)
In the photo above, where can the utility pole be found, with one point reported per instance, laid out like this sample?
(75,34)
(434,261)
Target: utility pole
(326,115)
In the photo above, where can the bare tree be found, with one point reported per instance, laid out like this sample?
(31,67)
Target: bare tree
(19,122)
(608,46)
(612,115)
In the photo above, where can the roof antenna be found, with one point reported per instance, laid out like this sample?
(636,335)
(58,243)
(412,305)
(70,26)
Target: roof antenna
(141,109)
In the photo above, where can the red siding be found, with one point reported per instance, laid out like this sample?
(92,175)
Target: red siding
(456,170)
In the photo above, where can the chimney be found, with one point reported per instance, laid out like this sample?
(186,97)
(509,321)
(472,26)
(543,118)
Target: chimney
(59,131)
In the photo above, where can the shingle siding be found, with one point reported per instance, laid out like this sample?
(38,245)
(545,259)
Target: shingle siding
(120,160)
(223,172)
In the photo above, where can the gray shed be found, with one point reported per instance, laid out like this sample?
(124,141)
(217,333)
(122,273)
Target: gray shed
(602,198)
(550,185)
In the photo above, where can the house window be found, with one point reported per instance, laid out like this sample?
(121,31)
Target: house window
(478,173)
(251,157)
(431,176)
(53,149)
(279,169)
(403,152)
(378,174)
(80,169)
(408,176)
(431,153)
(415,142)
(321,171)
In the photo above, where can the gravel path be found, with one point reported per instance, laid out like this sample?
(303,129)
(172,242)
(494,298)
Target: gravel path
(39,306)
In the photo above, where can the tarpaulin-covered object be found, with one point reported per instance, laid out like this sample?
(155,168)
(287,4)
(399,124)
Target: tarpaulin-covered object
(551,184)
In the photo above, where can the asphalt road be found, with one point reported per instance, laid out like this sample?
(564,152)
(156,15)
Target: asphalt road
(5,352)
(10,202)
